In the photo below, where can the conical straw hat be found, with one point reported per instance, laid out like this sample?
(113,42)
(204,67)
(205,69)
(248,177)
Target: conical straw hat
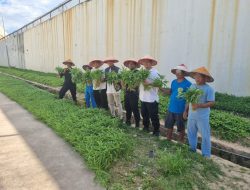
(203,71)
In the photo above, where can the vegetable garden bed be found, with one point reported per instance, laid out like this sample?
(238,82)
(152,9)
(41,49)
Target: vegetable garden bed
(225,125)
(109,148)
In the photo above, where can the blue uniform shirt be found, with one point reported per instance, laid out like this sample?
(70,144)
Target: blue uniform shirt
(177,105)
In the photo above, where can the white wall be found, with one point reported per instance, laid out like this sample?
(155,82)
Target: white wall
(211,33)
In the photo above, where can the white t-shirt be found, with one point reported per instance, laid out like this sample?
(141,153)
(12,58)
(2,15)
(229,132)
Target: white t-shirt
(103,84)
(150,95)
(111,88)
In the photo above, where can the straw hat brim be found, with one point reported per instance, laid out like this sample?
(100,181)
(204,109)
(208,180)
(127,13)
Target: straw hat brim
(110,61)
(91,63)
(153,61)
(86,66)
(68,62)
(209,78)
(185,73)
(127,62)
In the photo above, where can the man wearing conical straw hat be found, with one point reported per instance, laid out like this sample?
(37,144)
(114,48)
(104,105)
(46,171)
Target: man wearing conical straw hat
(99,86)
(149,98)
(68,84)
(198,116)
(131,96)
(113,90)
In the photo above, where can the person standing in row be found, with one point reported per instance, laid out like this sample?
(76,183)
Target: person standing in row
(113,90)
(89,97)
(149,97)
(132,96)
(68,84)
(99,87)
(198,114)
(176,105)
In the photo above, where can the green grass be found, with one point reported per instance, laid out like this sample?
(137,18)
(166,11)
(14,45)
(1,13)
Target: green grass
(92,132)
(226,121)
(50,79)
(230,103)
(119,160)
(230,127)
(173,167)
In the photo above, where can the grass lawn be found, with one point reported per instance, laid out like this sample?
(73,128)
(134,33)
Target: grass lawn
(117,154)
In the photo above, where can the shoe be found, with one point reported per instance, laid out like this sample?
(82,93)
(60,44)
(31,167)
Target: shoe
(137,125)
(207,157)
(157,134)
(128,123)
(145,129)
(169,134)
(191,150)
(181,137)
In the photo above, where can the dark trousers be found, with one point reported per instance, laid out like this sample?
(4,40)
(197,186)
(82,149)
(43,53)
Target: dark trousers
(101,98)
(149,111)
(65,88)
(131,105)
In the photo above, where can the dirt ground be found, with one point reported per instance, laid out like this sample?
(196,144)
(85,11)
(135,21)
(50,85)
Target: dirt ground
(235,176)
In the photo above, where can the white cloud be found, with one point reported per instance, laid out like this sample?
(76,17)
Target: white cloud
(17,13)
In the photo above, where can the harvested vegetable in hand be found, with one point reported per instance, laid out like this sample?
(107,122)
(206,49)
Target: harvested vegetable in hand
(113,77)
(192,95)
(96,77)
(77,75)
(130,79)
(143,74)
(86,77)
(158,82)
(59,69)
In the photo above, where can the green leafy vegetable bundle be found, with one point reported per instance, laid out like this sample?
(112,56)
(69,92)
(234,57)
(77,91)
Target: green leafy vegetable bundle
(143,74)
(113,77)
(130,79)
(86,77)
(192,95)
(77,75)
(97,77)
(59,69)
(160,82)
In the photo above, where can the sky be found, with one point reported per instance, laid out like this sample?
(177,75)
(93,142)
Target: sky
(17,13)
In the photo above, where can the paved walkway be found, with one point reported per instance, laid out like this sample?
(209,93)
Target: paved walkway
(33,157)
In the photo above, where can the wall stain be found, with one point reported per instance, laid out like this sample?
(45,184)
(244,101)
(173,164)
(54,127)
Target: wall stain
(110,27)
(234,30)
(67,34)
(211,33)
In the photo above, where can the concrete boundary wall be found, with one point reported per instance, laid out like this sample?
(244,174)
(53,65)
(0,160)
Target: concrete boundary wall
(211,33)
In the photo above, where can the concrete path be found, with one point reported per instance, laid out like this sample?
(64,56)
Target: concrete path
(33,157)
